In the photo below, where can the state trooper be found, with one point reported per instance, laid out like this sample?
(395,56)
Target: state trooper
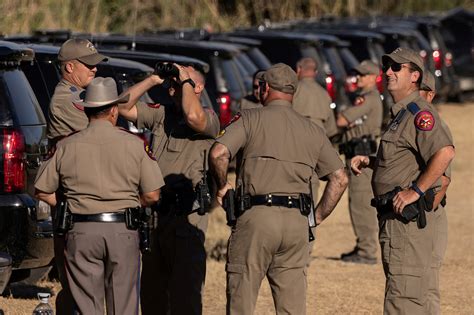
(253,100)
(105,174)
(281,151)
(414,152)
(362,123)
(183,132)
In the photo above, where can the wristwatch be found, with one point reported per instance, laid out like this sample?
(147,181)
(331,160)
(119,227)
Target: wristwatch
(190,81)
(417,189)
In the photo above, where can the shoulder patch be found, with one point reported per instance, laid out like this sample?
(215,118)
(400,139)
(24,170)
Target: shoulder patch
(359,100)
(424,121)
(151,105)
(234,119)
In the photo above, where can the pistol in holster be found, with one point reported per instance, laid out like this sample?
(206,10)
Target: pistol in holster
(62,221)
(138,219)
(414,211)
(229,205)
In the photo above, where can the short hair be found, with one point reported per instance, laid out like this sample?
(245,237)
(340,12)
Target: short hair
(307,64)
(98,111)
(257,75)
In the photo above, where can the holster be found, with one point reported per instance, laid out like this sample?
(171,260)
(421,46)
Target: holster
(137,219)
(414,211)
(62,220)
(229,205)
(364,145)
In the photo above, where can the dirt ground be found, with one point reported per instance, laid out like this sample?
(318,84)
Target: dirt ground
(341,288)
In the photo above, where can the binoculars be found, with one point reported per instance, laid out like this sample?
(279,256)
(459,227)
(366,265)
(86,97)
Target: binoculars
(166,70)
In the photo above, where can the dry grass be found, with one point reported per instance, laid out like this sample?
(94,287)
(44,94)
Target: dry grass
(339,288)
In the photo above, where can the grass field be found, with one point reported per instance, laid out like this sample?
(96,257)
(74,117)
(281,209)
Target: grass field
(341,288)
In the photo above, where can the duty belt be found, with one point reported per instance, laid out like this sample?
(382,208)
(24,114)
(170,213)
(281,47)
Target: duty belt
(271,200)
(111,217)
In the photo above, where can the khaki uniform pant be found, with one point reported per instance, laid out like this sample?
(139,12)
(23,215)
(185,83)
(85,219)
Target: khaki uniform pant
(103,263)
(64,300)
(412,258)
(363,215)
(174,272)
(272,242)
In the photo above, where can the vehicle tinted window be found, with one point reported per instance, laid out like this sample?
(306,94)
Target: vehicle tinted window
(337,66)
(247,63)
(245,73)
(259,59)
(5,112)
(25,105)
(233,78)
(348,59)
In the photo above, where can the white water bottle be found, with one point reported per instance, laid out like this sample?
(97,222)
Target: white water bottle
(43,308)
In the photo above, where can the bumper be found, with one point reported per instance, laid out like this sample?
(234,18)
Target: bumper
(28,241)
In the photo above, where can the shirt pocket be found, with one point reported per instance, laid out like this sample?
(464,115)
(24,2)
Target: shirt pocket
(388,145)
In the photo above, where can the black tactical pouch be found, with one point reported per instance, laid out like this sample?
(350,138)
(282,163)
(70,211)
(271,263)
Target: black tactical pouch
(62,221)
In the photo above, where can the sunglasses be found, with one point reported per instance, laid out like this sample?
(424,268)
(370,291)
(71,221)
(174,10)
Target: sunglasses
(394,66)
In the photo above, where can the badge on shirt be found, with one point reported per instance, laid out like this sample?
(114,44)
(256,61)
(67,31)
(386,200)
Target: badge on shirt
(154,105)
(424,121)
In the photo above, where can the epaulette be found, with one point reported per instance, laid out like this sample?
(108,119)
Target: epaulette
(413,108)
(146,146)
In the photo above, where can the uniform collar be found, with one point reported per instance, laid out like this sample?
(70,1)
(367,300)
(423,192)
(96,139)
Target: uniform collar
(70,85)
(373,89)
(100,123)
(279,102)
(309,79)
(404,102)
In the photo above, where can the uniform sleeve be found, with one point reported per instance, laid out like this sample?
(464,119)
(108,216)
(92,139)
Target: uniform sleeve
(329,160)
(65,117)
(148,115)
(234,136)
(212,123)
(356,111)
(151,177)
(47,179)
(429,141)
(330,124)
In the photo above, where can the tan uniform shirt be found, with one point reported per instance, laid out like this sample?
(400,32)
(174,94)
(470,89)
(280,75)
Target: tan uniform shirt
(249,102)
(281,149)
(365,114)
(101,169)
(64,116)
(178,149)
(312,101)
(405,149)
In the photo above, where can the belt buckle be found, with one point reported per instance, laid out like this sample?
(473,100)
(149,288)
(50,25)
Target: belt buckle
(269,200)
(108,217)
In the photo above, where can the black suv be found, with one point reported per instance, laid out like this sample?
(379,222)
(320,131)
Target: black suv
(290,46)
(25,224)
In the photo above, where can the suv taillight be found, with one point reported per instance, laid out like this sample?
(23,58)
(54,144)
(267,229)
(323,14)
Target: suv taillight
(331,86)
(14,176)
(225,113)
(437,58)
(379,82)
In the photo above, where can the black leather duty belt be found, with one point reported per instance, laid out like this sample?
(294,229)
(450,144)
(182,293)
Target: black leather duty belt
(271,200)
(111,217)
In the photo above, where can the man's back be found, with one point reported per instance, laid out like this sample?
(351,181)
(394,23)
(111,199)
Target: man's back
(312,101)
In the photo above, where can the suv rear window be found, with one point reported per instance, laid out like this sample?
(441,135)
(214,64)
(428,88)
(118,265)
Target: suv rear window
(18,91)
(233,78)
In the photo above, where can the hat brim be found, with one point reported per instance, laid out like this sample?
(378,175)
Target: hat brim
(93,59)
(78,99)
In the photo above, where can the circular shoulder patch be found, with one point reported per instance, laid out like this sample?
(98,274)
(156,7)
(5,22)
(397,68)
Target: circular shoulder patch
(424,121)
(154,105)
(359,100)
(79,107)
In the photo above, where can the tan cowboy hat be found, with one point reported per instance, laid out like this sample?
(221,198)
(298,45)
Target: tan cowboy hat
(100,92)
